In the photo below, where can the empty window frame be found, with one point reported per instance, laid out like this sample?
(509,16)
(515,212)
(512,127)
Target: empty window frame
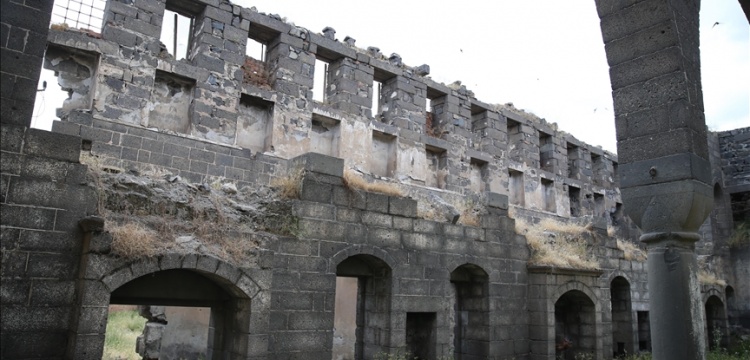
(598,205)
(546,152)
(515,188)
(548,195)
(436,173)
(177,28)
(325,135)
(478,174)
(574,194)
(597,169)
(573,161)
(320,80)
(383,157)
(433,109)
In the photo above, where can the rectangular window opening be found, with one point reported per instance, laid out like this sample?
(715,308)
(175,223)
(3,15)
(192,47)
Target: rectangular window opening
(644,331)
(382,160)
(597,166)
(377,98)
(516,187)
(254,123)
(515,137)
(320,80)
(177,31)
(478,174)
(598,205)
(548,195)
(325,135)
(574,195)
(421,335)
(573,161)
(437,169)
(479,119)
(170,102)
(434,102)
(255,69)
(546,152)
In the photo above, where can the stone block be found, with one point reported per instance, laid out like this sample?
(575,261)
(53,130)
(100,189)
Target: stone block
(318,163)
(35,344)
(27,217)
(51,145)
(377,202)
(315,191)
(402,206)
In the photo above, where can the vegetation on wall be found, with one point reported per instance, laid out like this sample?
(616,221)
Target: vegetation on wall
(554,243)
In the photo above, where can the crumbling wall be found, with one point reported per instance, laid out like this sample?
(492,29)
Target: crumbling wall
(186,120)
(215,77)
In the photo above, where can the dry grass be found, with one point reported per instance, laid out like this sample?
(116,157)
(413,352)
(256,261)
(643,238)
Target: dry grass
(709,278)
(290,185)
(356,183)
(133,240)
(470,214)
(554,243)
(631,251)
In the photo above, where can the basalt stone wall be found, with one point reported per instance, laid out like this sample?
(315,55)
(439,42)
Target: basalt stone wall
(220,114)
(43,197)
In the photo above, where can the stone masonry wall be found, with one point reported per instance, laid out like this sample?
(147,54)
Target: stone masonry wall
(42,197)
(466,141)
(221,115)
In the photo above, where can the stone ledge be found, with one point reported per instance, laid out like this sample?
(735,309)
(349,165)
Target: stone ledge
(545,269)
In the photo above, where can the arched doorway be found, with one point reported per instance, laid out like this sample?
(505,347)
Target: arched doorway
(622,317)
(200,281)
(362,308)
(716,323)
(229,309)
(472,328)
(575,325)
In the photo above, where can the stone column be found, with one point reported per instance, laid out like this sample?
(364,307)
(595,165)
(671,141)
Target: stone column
(654,59)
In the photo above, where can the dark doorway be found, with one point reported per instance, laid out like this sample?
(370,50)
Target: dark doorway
(420,335)
(575,326)
(716,323)
(369,318)
(622,318)
(472,327)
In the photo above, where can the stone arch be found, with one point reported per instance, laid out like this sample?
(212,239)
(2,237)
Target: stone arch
(361,249)
(471,317)
(238,303)
(716,322)
(577,315)
(362,308)
(622,316)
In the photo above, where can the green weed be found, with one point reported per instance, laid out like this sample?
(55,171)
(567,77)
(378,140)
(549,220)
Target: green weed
(123,328)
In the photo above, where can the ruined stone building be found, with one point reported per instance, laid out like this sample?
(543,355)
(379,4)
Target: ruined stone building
(378,212)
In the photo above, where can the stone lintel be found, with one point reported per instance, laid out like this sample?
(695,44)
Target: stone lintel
(319,163)
(545,269)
